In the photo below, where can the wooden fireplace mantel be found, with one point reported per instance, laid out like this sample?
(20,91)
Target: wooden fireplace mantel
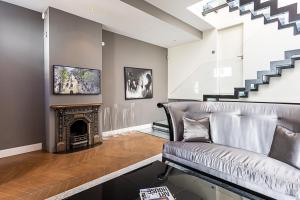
(68,106)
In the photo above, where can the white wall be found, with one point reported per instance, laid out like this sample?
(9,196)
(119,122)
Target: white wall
(187,62)
(280,89)
(262,44)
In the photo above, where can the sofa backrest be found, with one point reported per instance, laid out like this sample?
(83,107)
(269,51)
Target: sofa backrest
(249,126)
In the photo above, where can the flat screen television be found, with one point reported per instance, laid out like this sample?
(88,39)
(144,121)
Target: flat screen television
(76,81)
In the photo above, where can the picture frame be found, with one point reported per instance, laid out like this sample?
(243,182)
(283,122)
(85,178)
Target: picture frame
(138,83)
(69,80)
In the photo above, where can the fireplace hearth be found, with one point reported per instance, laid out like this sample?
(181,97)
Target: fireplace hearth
(79,134)
(76,127)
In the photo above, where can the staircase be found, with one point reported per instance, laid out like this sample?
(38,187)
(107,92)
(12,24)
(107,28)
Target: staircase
(263,77)
(162,126)
(286,16)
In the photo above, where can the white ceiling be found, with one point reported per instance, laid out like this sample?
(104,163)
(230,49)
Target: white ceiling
(178,8)
(121,18)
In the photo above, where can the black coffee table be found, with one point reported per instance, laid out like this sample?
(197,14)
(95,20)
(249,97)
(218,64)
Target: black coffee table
(182,185)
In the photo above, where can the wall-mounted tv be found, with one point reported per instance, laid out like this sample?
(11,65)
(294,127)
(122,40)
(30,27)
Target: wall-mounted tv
(76,81)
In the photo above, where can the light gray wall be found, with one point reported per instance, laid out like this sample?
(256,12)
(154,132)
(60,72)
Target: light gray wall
(21,77)
(72,41)
(120,51)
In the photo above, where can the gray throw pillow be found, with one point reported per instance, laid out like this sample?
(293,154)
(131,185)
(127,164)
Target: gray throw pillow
(286,146)
(196,130)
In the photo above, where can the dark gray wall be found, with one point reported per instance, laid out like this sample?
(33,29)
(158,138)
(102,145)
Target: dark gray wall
(26,78)
(120,51)
(72,41)
(21,77)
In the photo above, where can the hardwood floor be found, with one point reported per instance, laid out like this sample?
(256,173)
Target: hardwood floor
(39,175)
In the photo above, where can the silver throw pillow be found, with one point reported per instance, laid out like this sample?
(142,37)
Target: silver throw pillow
(286,146)
(196,130)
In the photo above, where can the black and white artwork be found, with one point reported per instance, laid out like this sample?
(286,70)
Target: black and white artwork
(138,83)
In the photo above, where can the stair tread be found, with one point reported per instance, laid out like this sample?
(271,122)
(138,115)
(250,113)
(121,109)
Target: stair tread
(160,124)
(268,73)
(282,62)
(291,53)
(219,95)
(296,57)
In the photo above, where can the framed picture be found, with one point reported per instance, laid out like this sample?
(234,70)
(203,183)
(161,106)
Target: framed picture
(138,83)
(76,81)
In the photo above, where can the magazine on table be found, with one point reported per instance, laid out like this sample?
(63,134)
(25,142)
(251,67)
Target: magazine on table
(157,193)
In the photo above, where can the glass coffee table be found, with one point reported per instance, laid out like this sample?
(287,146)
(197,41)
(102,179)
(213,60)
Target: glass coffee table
(183,185)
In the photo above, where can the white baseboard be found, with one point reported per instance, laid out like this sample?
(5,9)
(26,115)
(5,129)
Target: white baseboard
(105,178)
(20,150)
(124,130)
(35,147)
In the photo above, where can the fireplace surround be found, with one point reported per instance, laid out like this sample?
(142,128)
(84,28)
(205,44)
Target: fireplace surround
(76,127)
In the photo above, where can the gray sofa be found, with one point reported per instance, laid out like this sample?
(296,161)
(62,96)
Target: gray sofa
(242,134)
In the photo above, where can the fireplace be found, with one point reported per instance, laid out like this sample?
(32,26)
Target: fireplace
(77,127)
(79,134)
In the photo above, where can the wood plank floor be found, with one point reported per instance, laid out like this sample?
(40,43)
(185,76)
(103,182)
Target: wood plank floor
(39,175)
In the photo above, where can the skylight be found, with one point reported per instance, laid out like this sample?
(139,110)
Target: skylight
(205,5)
(197,8)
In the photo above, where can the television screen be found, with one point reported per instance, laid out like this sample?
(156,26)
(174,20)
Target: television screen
(73,80)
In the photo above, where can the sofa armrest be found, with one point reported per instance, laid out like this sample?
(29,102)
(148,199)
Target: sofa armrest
(164,106)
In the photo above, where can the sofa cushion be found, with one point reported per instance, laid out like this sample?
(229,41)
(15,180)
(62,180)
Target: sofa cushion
(249,167)
(196,130)
(286,146)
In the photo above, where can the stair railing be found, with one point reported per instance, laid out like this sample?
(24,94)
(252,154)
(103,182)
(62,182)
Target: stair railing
(210,77)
